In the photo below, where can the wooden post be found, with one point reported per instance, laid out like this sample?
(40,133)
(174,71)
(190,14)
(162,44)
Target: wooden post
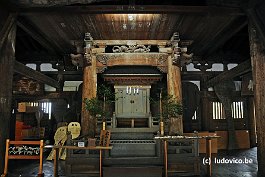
(174,86)
(40,174)
(258,67)
(7,58)
(252,122)
(209,156)
(205,119)
(6,157)
(165,159)
(55,162)
(89,91)
(174,80)
(100,162)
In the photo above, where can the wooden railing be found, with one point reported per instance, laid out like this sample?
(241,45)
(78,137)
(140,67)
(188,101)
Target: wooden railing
(19,156)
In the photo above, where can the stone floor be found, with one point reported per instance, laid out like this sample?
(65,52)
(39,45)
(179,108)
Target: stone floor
(22,168)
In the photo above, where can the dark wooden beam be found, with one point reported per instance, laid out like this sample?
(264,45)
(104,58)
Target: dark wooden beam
(7,57)
(157,9)
(35,57)
(67,75)
(197,75)
(39,38)
(226,57)
(30,73)
(242,68)
(6,28)
(224,36)
(49,96)
(38,3)
(221,37)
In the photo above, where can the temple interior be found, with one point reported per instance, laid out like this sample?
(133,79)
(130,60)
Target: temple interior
(126,88)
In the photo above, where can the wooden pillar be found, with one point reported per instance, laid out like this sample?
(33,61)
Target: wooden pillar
(89,91)
(60,78)
(252,122)
(174,80)
(204,103)
(174,89)
(7,57)
(258,69)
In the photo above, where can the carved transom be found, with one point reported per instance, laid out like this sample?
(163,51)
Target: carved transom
(131,49)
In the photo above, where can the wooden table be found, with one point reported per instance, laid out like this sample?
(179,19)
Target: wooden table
(208,149)
(56,155)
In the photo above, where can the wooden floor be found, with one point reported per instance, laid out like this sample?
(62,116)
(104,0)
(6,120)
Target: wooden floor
(236,169)
(20,168)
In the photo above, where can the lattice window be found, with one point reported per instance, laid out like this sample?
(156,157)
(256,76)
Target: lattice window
(218,111)
(194,117)
(237,110)
(46,107)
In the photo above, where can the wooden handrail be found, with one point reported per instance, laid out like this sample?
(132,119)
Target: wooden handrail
(40,156)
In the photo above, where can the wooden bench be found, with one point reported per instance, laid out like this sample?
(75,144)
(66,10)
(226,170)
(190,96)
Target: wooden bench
(34,157)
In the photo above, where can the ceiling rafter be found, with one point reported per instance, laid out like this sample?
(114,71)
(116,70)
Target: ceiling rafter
(239,70)
(38,76)
(223,36)
(39,38)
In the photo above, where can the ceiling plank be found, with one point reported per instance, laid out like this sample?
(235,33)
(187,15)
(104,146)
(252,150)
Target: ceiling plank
(39,3)
(156,9)
(30,73)
(239,70)
(39,38)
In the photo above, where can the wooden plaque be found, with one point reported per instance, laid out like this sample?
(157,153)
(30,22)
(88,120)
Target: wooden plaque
(104,138)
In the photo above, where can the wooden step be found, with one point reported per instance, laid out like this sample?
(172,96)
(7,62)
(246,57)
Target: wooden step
(146,171)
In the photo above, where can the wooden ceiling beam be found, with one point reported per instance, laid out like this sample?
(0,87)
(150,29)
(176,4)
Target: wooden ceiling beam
(39,38)
(34,57)
(49,96)
(197,75)
(6,28)
(67,75)
(30,73)
(156,9)
(239,70)
(223,36)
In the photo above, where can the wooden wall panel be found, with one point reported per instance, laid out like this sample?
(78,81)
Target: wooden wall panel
(242,139)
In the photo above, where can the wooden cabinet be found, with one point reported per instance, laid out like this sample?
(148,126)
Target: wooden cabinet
(132,101)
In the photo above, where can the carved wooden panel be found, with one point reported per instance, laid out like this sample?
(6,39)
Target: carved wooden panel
(24,85)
